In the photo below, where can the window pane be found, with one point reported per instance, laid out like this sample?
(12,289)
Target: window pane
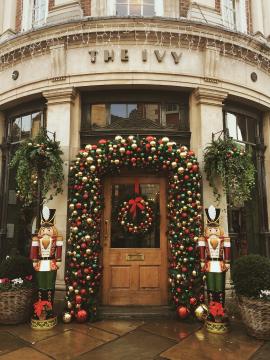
(231,125)
(149,8)
(122,239)
(98,115)
(26,126)
(16,130)
(241,128)
(172,116)
(135,115)
(135,8)
(121,9)
(36,123)
(251,125)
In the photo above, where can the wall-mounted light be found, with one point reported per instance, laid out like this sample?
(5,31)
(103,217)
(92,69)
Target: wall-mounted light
(15,75)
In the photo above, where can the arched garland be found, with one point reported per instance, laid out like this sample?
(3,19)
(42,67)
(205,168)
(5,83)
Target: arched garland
(84,272)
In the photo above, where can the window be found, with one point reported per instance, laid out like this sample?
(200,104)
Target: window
(138,115)
(25,126)
(35,13)
(135,7)
(234,15)
(246,223)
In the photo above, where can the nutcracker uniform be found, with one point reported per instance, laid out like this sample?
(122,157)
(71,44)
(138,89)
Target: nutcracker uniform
(46,253)
(215,256)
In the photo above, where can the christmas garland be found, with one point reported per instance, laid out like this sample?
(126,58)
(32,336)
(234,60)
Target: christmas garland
(40,156)
(83,269)
(136,215)
(226,160)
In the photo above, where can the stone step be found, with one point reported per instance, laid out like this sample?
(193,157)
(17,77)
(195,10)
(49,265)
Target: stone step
(136,312)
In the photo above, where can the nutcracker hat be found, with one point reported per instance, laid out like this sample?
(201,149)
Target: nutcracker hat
(212,215)
(47,216)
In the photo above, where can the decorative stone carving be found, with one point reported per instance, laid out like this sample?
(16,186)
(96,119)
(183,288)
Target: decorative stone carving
(211,60)
(58,62)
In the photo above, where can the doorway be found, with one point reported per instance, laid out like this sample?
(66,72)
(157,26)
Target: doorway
(135,266)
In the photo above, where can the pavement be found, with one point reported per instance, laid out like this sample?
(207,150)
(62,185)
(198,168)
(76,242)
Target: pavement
(130,340)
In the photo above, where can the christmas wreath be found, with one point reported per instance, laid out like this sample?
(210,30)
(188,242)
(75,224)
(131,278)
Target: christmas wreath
(136,215)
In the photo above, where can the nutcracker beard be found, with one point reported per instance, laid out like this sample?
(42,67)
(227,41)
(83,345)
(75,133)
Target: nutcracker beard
(46,285)
(216,287)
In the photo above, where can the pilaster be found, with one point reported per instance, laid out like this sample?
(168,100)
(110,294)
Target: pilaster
(266,17)
(63,119)
(257,16)
(7,19)
(266,133)
(64,10)
(206,118)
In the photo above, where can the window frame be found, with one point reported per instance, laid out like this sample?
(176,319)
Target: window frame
(159,8)
(28,21)
(238,21)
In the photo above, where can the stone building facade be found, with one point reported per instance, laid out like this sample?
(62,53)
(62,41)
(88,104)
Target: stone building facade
(82,67)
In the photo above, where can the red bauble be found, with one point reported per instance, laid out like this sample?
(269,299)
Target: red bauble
(78,299)
(81,316)
(183,312)
(192,301)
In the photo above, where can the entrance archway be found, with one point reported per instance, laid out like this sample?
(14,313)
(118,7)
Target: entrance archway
(180,166)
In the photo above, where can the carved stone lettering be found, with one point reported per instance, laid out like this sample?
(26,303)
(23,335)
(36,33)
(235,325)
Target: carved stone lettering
(144,55)
(176,57)
(93,56)
(159,56)
(108,55)
(124,55)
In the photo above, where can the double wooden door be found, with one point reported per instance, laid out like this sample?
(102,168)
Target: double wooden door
(134,267)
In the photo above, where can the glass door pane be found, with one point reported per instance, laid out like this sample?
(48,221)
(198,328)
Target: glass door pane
(123,239)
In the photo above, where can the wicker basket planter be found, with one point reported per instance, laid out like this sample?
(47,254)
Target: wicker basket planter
(256,316)
(15,306)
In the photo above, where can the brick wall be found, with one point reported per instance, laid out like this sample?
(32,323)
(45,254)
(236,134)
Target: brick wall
(86,6)
(218,5)
(18,22)
(51,4)
(184,6)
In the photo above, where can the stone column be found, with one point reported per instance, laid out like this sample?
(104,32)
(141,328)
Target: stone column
(63,118)
(1,16)
(2,188)
(257,16)
(8,18)
(206,118)
(65,10)
(266,17)
(266,134)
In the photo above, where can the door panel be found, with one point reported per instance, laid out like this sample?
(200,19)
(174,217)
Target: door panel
(135,267)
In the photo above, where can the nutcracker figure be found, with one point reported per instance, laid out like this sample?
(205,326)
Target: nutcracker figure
(46,253)
(215,261)
(215,256)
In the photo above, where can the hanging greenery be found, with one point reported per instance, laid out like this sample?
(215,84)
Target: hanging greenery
(229,161)
(38,159)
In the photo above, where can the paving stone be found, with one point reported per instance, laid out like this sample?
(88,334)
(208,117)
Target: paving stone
(25,353)
(25,332)
(263,353)
(67,345)
(172,329)
(9,342)
(205,346)
(118,327)
(136,345)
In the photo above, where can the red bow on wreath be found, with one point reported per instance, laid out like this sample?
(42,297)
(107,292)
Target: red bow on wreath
(134,204)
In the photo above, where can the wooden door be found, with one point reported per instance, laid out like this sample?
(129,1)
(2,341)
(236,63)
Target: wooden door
(135,268)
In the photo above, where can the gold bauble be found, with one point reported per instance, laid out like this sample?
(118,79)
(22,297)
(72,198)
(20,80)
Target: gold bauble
(201,312)
(67,318)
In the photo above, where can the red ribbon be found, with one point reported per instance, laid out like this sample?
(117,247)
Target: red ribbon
(134,204)
(41,305)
